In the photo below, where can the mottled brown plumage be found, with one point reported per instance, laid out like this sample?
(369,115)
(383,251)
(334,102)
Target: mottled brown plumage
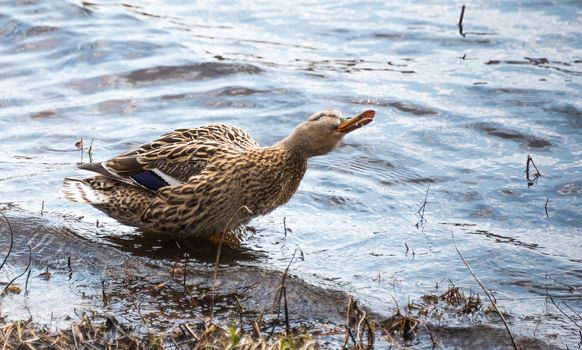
(207,180)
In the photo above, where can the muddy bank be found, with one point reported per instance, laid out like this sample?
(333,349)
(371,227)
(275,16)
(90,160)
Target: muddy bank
(76,273)
(147,287)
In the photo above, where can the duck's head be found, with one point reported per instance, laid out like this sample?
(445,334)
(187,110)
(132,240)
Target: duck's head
(323,131)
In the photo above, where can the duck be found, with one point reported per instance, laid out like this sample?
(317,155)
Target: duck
(207,180)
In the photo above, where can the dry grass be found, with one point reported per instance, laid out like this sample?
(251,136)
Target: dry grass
(85,334)
(90,332)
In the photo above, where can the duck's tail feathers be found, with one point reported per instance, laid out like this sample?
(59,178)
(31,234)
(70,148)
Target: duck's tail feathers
(81,192)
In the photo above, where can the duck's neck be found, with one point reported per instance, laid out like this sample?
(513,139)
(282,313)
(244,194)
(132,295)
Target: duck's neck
(294,144)
(274,177)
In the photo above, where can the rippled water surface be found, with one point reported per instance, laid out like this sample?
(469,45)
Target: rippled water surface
(456,118)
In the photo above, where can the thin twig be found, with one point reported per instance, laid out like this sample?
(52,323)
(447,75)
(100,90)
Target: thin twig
(192,334)
(257,324)
(186,256)
(535,167)
(23,272)
(285,226)
(218,252)
(434,344)
(69,266)
(240,313)
(536,175)
(282,294)
(371,337)
(574,311)
(26,283)
(420,211)
(546,207)
(42,208)
(287,327)
(360,328)
(359,334)
(11,239)
(347,337)
(74,334)
(562,311)
(137,307)
(103,293)
(461,21)
(348,319)
(90,151)
(424,203)
(515,347)
(7,338)
(79,145)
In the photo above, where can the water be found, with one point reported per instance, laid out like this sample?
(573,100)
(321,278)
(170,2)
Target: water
(456,116)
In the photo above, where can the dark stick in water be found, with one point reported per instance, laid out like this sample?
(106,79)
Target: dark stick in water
(421,210)
(537,174)
(26,283)
(69,266)
(90,151)
(562,311)
(282,294)
(571,289)
(461,21)
(348,329)
(23,272)
(11,240)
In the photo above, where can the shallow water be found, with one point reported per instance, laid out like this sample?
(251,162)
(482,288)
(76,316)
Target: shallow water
(456,116)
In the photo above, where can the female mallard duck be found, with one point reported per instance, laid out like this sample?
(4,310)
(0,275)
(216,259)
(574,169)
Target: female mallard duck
(207,180)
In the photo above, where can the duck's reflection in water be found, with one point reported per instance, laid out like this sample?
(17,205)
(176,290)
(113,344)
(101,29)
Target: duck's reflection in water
(157,247)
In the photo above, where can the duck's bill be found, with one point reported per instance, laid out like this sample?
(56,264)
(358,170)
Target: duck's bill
(349,125)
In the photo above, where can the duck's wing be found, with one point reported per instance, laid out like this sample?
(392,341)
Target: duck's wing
(174,157)
(228,135)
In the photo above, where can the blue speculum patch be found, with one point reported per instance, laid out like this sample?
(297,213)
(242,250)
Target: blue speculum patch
(150,180)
